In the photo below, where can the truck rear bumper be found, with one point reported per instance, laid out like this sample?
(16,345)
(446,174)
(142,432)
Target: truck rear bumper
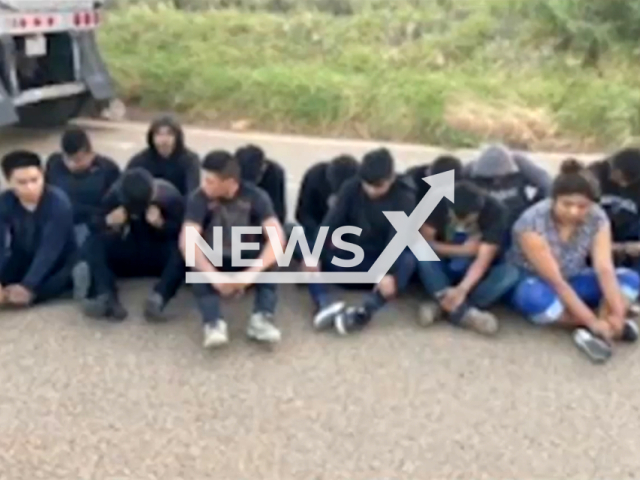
(92,78)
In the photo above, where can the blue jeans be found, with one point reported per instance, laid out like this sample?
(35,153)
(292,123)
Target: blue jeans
(208,300)
(539,303)
(402,271)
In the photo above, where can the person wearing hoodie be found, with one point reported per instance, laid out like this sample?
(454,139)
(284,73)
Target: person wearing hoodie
(318,191)
(510,177)
(619,179)
(266,174)
(136,235)
(167,157)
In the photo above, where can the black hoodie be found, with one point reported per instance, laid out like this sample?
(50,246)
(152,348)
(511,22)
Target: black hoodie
(622,204)
(182,168)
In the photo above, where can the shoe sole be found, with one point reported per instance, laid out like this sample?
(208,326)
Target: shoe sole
(152,313)
(216,344)
(339,325)
(81,276)
(257,337)
(324,320)
(595,349)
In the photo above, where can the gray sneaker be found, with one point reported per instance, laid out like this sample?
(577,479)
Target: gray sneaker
(480,321)
(429,313)
(262,329)
(216,335)
(81,276)
(325,317)
(154,308)
(595,348)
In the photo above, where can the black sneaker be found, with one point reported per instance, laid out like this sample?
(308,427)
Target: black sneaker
(154,308)
(351,320)
(630,332)
(117,312)
(97,307)
(598,350)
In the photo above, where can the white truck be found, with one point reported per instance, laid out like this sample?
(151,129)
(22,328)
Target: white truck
(50,66)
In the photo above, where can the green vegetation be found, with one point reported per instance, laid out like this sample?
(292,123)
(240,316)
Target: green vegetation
(553,74)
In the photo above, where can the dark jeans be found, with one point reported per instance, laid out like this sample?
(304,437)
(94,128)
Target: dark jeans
(208,299)
(55,285)
(112,256)
(499,280)
(403,270)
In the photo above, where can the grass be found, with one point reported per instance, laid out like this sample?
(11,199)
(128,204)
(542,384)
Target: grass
(419,70)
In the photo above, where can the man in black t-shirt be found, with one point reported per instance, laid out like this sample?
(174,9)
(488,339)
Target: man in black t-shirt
(471,228)
(135,235)
(361,203)
(225,201)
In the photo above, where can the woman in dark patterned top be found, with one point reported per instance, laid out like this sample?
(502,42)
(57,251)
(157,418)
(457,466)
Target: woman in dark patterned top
(552,242)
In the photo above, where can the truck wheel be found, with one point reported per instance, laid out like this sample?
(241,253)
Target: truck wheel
(51,113)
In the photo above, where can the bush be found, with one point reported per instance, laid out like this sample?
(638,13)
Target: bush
(418,70)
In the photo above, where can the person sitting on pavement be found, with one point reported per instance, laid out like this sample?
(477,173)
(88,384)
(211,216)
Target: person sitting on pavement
(226,201)
(510,177)
(360,203)
(37,221)
(85,177)
(470,277)
(266,174)
(136,235)
(619,178)
(319,189)
(441,164)
(167,157)
(552,241)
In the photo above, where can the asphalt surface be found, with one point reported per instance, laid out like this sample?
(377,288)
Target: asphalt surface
(81,399)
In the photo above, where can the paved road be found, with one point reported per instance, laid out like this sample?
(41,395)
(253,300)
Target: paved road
(86,400)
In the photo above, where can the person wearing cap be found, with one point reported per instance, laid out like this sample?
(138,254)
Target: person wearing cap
(266,174)
(510,177)
(361,203)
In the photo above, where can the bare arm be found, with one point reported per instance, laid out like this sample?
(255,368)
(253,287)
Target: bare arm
(482,262)
(268,255)
(605,270)
(202,263)
(537,251)
(446,249)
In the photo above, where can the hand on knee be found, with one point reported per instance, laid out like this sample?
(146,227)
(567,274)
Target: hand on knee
(387,287)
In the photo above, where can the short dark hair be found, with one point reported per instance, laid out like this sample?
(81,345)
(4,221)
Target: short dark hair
(377,166)
(469,199)
(444,163)
(136,189)
(222,163)
(627,161)
(251,159)
(575,179)
(74,140)
(17,159)
(341,169)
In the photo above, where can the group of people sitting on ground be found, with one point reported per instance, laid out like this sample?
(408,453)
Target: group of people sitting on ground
(561,251)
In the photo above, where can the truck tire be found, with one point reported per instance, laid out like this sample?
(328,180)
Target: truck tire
(51,113)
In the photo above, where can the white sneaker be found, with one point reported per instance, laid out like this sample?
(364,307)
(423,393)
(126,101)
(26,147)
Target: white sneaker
(325,317)
(262,329)
(216,335)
